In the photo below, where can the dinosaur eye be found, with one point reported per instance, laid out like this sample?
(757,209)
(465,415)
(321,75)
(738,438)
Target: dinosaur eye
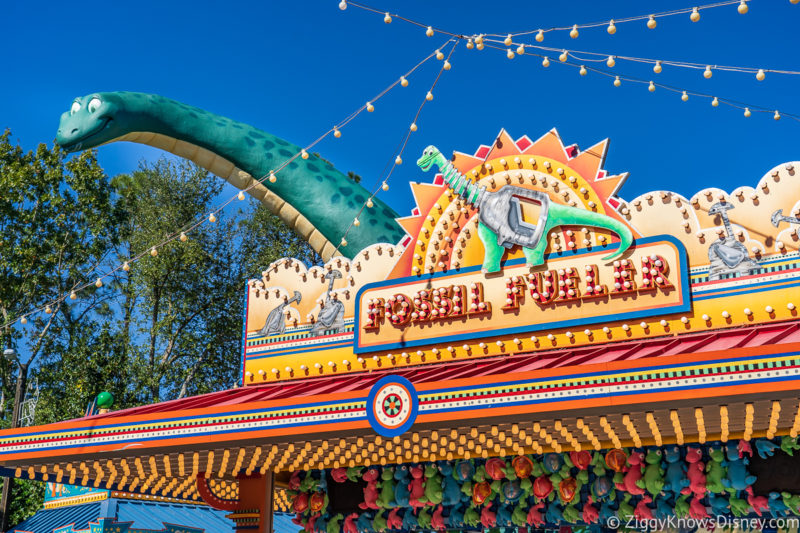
(76,106)
(94,103)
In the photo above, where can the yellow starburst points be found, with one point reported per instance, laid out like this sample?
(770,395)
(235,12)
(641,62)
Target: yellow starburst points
(443,227)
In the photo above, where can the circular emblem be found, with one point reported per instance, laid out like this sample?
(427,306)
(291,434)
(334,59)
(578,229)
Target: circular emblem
(392,406)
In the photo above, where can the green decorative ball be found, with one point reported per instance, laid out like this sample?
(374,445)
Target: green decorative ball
(104,400)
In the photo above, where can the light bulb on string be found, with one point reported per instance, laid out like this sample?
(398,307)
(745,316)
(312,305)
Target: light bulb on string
(398,160)
(760,75)
(657,68)
(617,81)
(23,320)
(344,242)
(510,54)
(695,16)
(582,71)
(479,46)
(385,186)
(439,55)
(742,9)
(429,96)
(369,203)
(49,310)
(470,44)
(240,196)
(685,97)
(413,126)
(73,295)
(356,222)
(183,237)
(651,22)
(508,40)
(574,32)
(563,57)
(747,112)
(343,5)
(546,62)
(651,87)
(479,39)
(611,61)
(303,154)
(707,73)
(429,31)
(212,218)
(370,107)
(272,177)
(126,266)
(153,251)
(387,19)
(612,29)
(98,283)
(520,50)
(337,133)
(539,36)
(403,81)
(715,102)
(776,116)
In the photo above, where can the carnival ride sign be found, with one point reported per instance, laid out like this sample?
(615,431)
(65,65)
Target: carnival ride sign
(569,291)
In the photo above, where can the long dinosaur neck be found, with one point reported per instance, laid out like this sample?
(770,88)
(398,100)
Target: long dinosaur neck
(458,183)
(316,200)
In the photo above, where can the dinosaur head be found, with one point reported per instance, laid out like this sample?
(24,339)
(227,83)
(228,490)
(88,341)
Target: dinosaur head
(429,157)
(90,121)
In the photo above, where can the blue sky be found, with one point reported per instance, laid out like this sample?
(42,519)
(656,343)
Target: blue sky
(295,68)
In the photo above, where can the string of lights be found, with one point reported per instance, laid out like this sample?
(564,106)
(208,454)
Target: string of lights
(182,233)
(398,153)
(748,109)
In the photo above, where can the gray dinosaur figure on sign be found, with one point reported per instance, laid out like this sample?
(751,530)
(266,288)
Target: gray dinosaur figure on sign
(331,316)
(276,319)
(728,256)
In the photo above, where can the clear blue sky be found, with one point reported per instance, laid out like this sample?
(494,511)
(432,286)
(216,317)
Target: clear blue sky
(294,68)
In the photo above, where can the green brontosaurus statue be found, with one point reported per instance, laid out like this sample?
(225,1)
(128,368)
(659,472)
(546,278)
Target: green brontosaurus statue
(500,223)
(316,200)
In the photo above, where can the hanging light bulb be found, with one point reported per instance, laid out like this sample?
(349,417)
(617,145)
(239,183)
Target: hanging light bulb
(510,53)
(611,61)
(73,295)
(429,96)
(344,242)
(479,46)
(370,107)
(507,40)
(369,203)
(685,97)
(98,283)
(695,16)
(272,177)
(520,50)
(49,310)
(574,32)
(546,62)
(126,266)
(776,116)
(747,112)
(385,186)
(612,29)
(651,87)
(429,31)
(760,75)
(336,132)
(742,9)
(403,81)
(183,237)
(470,44)
(563,57)
(23,320)
(212,218)
(356,222)
(707,73)
(479,39)
(539,36)
(240,196)
(303,154)
(398,160)
(387,19)
(343,5)
(651,22)
(153,251)
(657,67)
(413,126)
(582,71)
(715,102)
(617,82)
(439,55)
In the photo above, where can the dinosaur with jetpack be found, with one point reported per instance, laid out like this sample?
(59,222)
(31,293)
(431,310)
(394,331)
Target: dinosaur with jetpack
(500,222)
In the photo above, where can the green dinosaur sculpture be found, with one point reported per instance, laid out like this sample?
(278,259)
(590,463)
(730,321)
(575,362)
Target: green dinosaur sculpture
(316,200)
(792,501)
(625,511)
(386,496)
(519,517)
(433,485)
(571,514)
(379,522)
(598,464)
(354,473)
(715,472)
(682,506)
(424,518)
(334,525)
(500,224)
(653,478)
(471,516)
(789,445)
(739,506)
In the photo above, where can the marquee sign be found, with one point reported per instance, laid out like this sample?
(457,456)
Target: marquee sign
(572,291)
